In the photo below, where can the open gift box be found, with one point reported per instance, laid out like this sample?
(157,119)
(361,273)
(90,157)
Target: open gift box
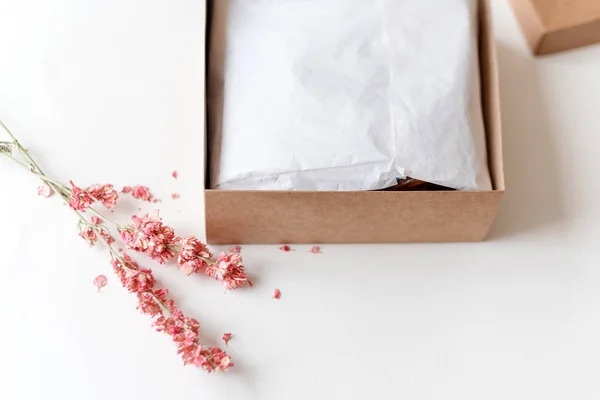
(263,217)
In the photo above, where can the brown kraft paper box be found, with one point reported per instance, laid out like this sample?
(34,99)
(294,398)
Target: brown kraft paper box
(268,217)
(551,26)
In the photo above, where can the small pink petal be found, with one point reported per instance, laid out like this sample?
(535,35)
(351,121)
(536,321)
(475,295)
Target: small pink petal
(140,209)
(174,174)
(95,220)
(226,337)
(235,249)
(120,250)
(175,196)
(156,201)
(276,294)
(45,190)
(315,250)
(100,281)
(126,189)
(285,248)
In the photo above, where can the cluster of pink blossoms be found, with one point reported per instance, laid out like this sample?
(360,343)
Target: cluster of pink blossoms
(148,235)
(167,318)
(81,199)
(228,268)
(140,192)
(193,254)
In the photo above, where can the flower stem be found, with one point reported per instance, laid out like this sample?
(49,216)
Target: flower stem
(22,150)
(61,189)
(33,168)
(207,260)
(15,160)
(9,133)
(177,249)
(166,312)
(104,218)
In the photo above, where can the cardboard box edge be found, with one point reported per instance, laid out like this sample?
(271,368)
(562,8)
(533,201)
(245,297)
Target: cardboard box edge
(543,39)
(582,35)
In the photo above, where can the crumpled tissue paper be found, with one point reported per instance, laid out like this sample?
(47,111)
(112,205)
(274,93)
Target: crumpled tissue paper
(346,95)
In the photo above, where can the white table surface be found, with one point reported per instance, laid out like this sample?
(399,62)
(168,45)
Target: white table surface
(111,91)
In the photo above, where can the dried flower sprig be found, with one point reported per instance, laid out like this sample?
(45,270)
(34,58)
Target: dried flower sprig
(167,318)
(157,240)
(147,234)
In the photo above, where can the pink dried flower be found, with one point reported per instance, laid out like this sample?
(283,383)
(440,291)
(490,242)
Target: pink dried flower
(104,233)
(235,249)
(133,278)
(138,192)
(177,324)
(191,266)
(285,248)
(83,198)
(105,194)
(212,359)
(95,220)
(190,247)
(208,358)
(142,193)
(149,235)
(315,250)
(140,280)
(175,196)
(184,332)
(228,269)
(80,199)
(148,305)
(100,281)
(174,174)
(162,294)
(276,294)
(193,254)
(226,337)
(89,235)
(45,190)
(168,319)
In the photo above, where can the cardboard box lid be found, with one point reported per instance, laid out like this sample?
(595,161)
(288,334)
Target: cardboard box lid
(551,26)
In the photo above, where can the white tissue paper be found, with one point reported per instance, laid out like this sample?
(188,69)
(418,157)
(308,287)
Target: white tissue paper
(350,95)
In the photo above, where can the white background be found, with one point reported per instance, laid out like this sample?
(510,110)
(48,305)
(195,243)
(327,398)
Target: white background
(111,91)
